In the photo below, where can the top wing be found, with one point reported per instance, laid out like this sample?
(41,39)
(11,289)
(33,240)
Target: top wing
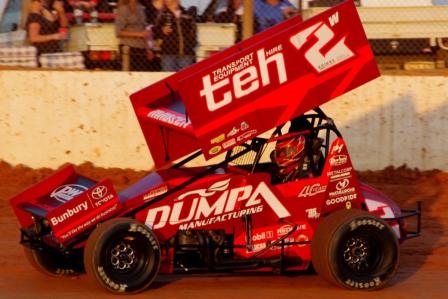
(255,85)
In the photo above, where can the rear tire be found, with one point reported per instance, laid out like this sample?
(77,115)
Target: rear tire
(355,250)
(51,262)
(123,255)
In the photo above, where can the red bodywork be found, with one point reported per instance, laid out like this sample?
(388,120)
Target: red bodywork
(215,106)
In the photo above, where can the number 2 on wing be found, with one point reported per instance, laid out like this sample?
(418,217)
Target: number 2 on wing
(324,34)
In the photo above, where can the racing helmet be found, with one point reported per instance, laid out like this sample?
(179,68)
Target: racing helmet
(290,151)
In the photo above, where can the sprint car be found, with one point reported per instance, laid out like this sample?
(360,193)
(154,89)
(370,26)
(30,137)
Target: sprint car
(233,215)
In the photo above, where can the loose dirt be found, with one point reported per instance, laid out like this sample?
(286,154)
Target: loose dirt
(424,261)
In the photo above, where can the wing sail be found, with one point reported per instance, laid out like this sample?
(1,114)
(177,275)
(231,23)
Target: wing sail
(256,85)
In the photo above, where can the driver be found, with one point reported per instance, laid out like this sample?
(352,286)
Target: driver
(291,160)
(297,157)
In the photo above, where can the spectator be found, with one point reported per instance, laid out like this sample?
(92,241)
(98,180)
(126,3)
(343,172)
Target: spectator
(232,12)
(209,13)
(131,29)
(46,25)
(152,10)
(81,6)
(271,12)
(177,30)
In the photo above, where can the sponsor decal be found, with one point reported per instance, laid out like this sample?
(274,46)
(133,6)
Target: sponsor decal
(341,199)
(247,135)
(337,148)
(115,286)
(285,229)
(312,190)
(69,213)
(338,160)
(233,132)
(263,236)
(217,203)
(218,139)
(89,222)
(337,172)
(155,192)
(244,125)
(233,67)
(341,192)
(66,192)
(100,196)
(142,230)
(320,59)
(312,213)
(99,192)
(214,150)
(255,70)
(257,247)
(229,143)
(363,285)
(173,119)
(340,173)
(302,238)
(342,184)
(246,77)
(357,223)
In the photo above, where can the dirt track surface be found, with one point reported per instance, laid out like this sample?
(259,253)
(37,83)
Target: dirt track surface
(424,261)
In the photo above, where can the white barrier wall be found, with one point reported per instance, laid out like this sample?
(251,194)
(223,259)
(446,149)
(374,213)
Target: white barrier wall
(50,118)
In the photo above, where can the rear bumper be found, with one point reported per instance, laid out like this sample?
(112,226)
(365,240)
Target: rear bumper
(416,216)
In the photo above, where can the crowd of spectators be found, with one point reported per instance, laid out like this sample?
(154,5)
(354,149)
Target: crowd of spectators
(160,34)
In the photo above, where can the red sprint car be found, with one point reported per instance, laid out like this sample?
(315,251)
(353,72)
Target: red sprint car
(281,193)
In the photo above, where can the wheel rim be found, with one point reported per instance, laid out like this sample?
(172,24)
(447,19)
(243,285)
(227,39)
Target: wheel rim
(122,256)
(357,253)
(361,252)
(127,258)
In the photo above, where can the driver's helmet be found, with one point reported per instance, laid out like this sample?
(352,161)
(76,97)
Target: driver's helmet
(290,151)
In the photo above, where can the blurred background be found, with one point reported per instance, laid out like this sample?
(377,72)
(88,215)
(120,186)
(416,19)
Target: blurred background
(167,35)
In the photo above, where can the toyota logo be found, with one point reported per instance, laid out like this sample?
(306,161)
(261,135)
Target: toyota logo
(99,192)
(342,184)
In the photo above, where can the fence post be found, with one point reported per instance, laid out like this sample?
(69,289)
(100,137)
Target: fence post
(125,58)
(248,19)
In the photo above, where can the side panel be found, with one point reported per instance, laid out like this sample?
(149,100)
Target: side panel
(215,202)
(343,191)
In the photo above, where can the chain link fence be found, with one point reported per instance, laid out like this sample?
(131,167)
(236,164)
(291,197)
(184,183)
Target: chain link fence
(168,35)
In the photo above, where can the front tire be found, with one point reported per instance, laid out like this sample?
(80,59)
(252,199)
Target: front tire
(355,250)
(123,255)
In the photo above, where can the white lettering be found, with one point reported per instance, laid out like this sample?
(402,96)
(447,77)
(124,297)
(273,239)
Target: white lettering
(221,209)
(264,72)
(208,90)
(334,19)
(242,87)
(152,213)
(69,213)
(321,62)
(238,83)
(170,118)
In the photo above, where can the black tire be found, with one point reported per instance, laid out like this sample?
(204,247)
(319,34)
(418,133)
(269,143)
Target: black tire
(51,262)
(123,255)
(355,250)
